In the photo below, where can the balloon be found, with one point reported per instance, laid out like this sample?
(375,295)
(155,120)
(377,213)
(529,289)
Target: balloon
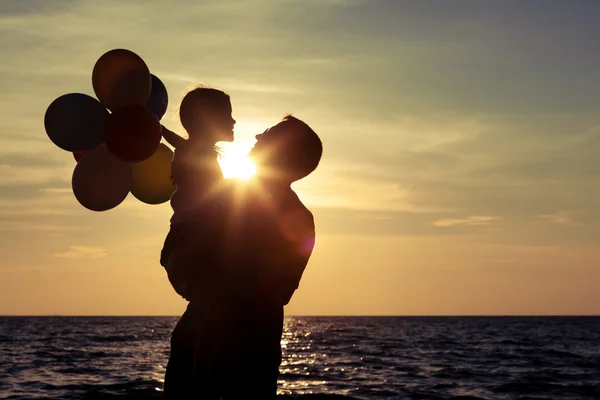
(159,98)
(78,155)
(132,133)
(75,122)
(120,77)
(101,181)
(151,179)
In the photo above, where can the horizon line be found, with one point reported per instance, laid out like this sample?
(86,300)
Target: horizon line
(320,315)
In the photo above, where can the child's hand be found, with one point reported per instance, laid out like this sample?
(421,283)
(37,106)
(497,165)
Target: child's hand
(164,131)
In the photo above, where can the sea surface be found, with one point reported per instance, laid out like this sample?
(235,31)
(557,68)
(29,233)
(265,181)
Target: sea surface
(324,357)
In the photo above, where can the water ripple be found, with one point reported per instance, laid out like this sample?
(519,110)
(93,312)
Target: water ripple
(323,358)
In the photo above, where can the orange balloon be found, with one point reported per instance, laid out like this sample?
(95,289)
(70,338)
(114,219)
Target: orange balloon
(151,179)
(100,180)
(120,77)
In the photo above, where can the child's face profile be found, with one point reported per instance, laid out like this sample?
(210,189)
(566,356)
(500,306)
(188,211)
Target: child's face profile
(218,121)
(225,123)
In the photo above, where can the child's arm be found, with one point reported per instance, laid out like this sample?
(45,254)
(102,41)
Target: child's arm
(171,137)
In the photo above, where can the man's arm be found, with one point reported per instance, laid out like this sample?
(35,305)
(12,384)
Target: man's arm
(288,252)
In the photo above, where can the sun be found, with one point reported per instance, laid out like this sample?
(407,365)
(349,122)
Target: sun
(235,163)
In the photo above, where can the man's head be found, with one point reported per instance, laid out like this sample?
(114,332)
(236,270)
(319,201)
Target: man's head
(287,152)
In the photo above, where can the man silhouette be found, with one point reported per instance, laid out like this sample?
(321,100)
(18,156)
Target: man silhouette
(258,247)
(277,242)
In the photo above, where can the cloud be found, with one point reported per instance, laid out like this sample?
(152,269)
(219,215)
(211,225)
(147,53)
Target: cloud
(561,218)
(37,187)
(88,252)
(57,190)
(40,227)
(260,87)
(34,212)
(469,221)
(39,160)
(12,7)
(12,268)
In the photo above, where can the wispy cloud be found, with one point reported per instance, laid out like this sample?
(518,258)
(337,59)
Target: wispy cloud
(37,160)
(468,221)
(40,227)
(561,218)
(89,252)
(35,212)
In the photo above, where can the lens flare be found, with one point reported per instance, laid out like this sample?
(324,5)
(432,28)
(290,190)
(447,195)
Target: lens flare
(235,163)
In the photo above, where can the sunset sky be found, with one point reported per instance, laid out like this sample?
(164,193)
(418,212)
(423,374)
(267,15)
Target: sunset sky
(461,167)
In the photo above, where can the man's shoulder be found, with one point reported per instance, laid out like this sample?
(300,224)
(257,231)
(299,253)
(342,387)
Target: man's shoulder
(233,196)
(292,203)
(296,222)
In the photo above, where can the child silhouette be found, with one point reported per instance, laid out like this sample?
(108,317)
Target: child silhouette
(205,114)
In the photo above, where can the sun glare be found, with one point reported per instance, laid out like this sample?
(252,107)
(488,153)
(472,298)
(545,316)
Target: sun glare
(235,163)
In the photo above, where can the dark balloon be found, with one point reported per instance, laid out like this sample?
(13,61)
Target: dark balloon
(120,77)
(159,98)
(132,133)
(101,181)
(75,122)
(78,155)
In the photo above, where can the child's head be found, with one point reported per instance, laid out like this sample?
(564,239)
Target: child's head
(205,114)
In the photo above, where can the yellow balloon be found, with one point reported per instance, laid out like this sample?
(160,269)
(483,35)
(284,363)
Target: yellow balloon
(120,77)
(151,178)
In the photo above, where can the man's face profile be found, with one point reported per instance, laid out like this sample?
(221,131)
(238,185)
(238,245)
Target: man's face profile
(269,151)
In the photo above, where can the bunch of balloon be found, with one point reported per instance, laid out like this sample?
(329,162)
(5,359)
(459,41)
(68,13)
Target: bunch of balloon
(115,139)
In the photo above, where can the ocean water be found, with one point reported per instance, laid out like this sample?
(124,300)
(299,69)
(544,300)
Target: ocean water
(324,357)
